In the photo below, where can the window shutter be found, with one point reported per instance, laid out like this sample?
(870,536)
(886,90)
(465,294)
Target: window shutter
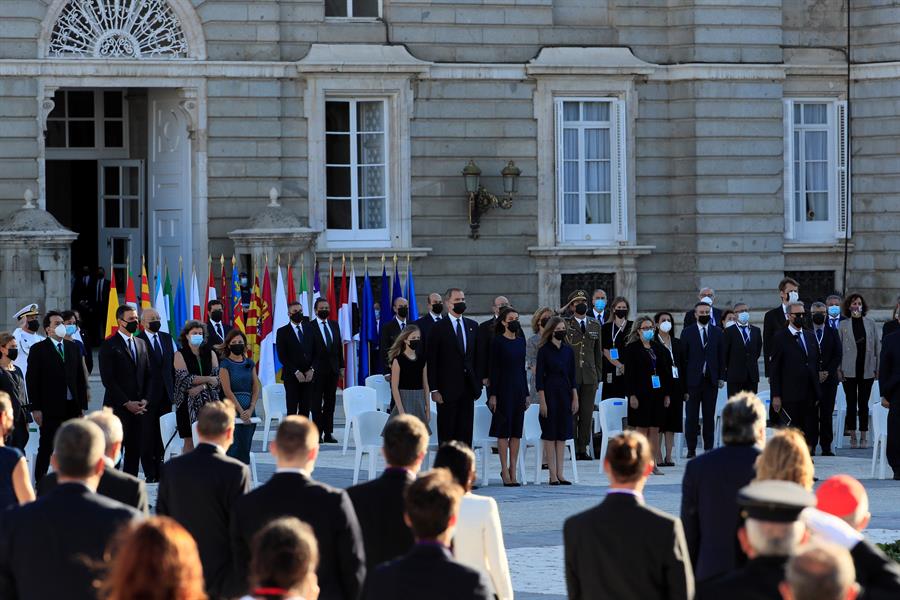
(620,171)
(560,202)
(842,150)
(789,169)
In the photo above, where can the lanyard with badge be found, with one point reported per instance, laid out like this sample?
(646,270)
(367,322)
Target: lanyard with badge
(614,352)
(654,379)
(671,350)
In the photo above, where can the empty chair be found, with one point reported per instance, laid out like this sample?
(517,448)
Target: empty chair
(194,435)
(168,432)
(482,399)
(367,428)
(382,390)
(274,406)
(679,437)
(31,447)
(612,412)
(839,417)
(721,400)
(356,400)
(481,438)
(254,477)
(595,418)
(531,438)
(433,439)
(879,416)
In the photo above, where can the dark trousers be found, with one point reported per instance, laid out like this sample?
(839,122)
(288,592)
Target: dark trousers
(322,402)
(805,417)
(892,447)
(151,441)
(49,425)
(702,396)
(735,387)
(133,427)
(825,414)
(858,392)
(586,393)
(296,397)
(18,437)
(455,418)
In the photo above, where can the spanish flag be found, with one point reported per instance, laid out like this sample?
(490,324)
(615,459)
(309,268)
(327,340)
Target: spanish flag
(112,306)
(145,287)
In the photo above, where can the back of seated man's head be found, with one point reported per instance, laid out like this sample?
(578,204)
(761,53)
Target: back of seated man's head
(628,457)
(820,572)
(285,555)
(743,420)
(431,503)
(405,442)
(77,448)
(295,439)
(109,424)
(215,422)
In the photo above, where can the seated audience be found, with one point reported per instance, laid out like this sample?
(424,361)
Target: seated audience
(284,562)
(819,573)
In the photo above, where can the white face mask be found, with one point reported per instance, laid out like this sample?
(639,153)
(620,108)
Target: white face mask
(665,326)
(793,297)
(707,300)
(60,331)
(728,324)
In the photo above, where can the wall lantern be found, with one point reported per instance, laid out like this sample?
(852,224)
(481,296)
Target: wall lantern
(481,200)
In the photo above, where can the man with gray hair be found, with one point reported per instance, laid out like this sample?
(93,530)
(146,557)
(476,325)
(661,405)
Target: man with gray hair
(711,482)
(115,484)
(707,295)
(49,548)
(820,573)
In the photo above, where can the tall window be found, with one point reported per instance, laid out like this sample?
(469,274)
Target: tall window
(591,170)
(817,203)
(87,119)
(356,173)
(353,8)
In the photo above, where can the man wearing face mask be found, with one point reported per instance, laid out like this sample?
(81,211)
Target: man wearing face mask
(743,345)
(73,334)
(833,306)
(27,334)
(777,318)
(583,335)
(830,353)
(56,384)
(323,346)
(485,333)
(704,347)
(160,394)
(296,364)
(707,295)
(215,328)
(598,306)
(435,312)
(391,330)
(125,373)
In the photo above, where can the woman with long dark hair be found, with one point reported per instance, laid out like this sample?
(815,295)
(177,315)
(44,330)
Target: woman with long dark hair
(196,378)
(508,392)
(859,366)
(673,422)
(614,334)
(554,379)
(241,387)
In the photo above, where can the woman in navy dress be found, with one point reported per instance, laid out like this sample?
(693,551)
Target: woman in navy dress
(554,379)
(15,480)
(241,388)
(508,392)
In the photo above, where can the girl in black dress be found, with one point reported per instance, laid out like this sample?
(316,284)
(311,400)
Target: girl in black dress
(614,334)
(674,419)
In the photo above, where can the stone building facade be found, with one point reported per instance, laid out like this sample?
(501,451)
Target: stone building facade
(663,144)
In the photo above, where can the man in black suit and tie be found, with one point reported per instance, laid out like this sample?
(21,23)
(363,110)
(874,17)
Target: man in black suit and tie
(598,305)
(215,328)
(434,315)
(429,570)
(831,352)
(50,548)
(199,490)
(390,331)
(777,318)
(704,349)
(323,346)
(889,385)
(451,371)
(707,295)
(709,509)
(379,503)
(483,336)
(743,345)
(296,364)
(122,487)
(794,375)
(292,492)
(624,548)
(160,394)
(125,373)
(99,302)
(56,384)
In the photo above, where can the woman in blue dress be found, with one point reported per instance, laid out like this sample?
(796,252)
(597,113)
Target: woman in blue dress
(241,388)
(15,480)
(508,392)
(554,379)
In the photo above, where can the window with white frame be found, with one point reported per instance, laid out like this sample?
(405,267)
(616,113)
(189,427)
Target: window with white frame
(87,119)
(354,9)
(590,170)
(356,174)
(817,208)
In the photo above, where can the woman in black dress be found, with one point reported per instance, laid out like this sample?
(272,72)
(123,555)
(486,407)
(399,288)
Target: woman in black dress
(647,382)
(554,378)
(674,418)
(409,377)
(614,334)
(508,392)
(196,378)
(13,383)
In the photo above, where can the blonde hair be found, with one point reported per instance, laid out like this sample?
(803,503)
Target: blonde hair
(399,345)
(536,318)
(786,458)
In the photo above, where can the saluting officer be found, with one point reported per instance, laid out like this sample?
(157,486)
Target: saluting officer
(583,334)
(26,333)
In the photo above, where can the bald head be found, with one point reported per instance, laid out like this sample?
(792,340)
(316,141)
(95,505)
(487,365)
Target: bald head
(499,302)
(148,315)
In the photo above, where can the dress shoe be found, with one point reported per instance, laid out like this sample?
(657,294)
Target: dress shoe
(692,454)
(583,456)
(896,476)
(329,439)
(150,480)
(827,453)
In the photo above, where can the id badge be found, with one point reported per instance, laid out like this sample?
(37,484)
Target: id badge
(609,377)
(654,379)
(614,354)
(674,372)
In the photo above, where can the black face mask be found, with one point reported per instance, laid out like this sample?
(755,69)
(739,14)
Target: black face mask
(297,317)
(797,320)
(560,335)
(544,322)
(513,326)
(621,313)
(437,308)
(403,312)
(818,318)
(32,326)
(703,319)
(12,353)
(154,326)
(237,349)
(459,308)
(216,315)
(413,344)
(581,309)
(131,326)
(323,314)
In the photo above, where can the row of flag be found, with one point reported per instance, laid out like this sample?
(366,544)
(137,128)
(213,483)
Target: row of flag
(358,322)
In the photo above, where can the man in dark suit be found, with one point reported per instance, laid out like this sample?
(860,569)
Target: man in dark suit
(160,394)
(833,305)
(390,331)
(598,305)
(709,509)
(296,364)
(125,373)
(56,384)
(743,345)
(293,492)
(326,354)
(122,487)
(429,570)
(889,385)
(623,548)
(451,371)
(199,490)
(706,295)
(50,548)
(99,302)
(379,503)
(483,337)
(794,375)
(215,328)
(704,348)
(831,352)
(777,318)
(434,315)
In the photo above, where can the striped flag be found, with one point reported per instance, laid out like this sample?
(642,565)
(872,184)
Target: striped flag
(145,287)
(304,292)
(252,313)
(112,306)
(161,306)
(130,294)
(291,292)
(196,312)
(210,293)
(237,307)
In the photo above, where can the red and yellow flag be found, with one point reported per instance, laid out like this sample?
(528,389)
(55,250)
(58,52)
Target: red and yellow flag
(264,319)
(146,301)
(130,294)
(252,316)
(112,306)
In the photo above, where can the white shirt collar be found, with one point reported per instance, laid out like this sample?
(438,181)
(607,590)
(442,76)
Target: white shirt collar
(435,317)
(125,336)
(794,330)
(303,472)
(627,492)
(320,321)
(214,323)
(401,321)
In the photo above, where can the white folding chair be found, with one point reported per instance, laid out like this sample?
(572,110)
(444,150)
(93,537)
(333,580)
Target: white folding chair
(839,417)
(679,437)
(531,438)
(878,417)
(721,401)
(31,447)
(367,428)
(168,430)
(194,435)
(355,400)
(254,478)
(612,413)
(433,438)
(595,419)
(570,445)
(482,399)
(481,438)
(382,390)
(275,406)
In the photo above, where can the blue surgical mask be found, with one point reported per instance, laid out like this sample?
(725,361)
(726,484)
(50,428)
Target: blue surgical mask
(600,304)
(647,335)
(71,329)
(743,317)
(196,339)
(834,311)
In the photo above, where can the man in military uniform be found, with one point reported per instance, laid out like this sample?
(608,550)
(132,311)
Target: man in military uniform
(26,333)
(772,533)
(583,334)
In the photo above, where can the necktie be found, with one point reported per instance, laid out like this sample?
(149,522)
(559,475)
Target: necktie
(328,339)
(745,335)
(703,336)
(299,333)
(131,349)
(834,323)
(59,349)
(819,333)
(460,338)
(801,341)
(156,347)
(219,330)
(402,325)
(583,328)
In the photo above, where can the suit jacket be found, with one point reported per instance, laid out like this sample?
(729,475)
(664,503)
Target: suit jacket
(878,575)
(427,571)
(483,336)
(88,354)
(327,510)
(757,580)
(773,322)
(478,543)
(794,375)
(690,319)
(450,370)
(49,377)
(44,544)
(604,558)
(124,378)
(379,509)
(425,324)
(115,484)
(212,337)
(848,343)
(162,372)
(742,358)
(199,490)
(292,353)
(639,374)
(709,509)
(389,333)
(830,353)
(889,373)
(324,359)
(101,299)
(889,327)
(695,355)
